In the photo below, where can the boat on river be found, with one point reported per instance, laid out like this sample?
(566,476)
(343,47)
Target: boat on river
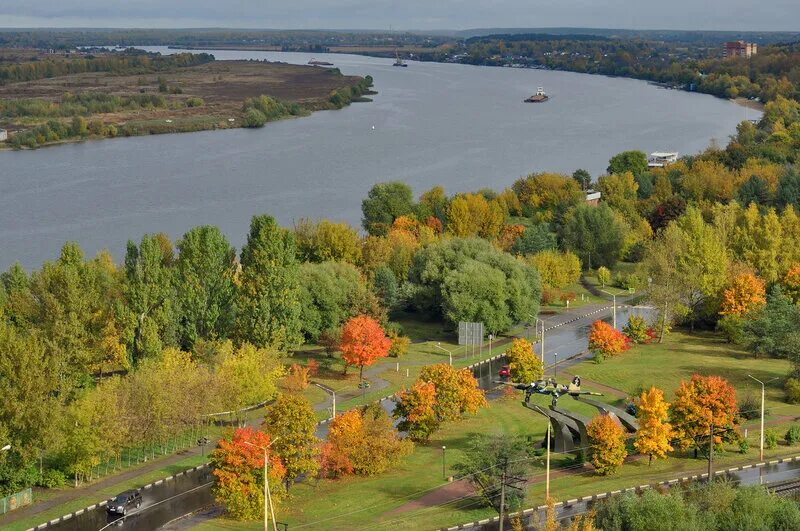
(399,61)
(539,97)
(314,62)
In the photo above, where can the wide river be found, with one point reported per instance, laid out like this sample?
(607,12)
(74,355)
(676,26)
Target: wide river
(462,127)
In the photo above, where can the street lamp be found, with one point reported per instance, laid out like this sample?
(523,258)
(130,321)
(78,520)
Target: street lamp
(490,344)
(332,393)
(267,496)
(440,347)
(444,474)
(614,298)
(555,365)
(761,441)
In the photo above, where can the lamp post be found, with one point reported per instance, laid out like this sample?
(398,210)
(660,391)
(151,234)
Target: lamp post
(761,435)
(333,397)
(440,347)
(267,497)
(614,299)
(555,365)
(444,473)
(490,344)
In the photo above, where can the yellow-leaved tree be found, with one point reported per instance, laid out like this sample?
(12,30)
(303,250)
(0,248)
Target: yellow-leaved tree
(523,363)
(607,441)
(655,432)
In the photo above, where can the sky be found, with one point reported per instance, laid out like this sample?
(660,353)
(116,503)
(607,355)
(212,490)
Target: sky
(764,15)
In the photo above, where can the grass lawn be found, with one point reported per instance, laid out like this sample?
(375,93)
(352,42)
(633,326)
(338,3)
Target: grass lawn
(372,502)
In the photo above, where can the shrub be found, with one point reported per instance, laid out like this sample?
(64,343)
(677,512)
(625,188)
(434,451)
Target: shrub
(750,407)
(730,326)
(254,118)
(567,296)
(400,343)
(195,102)
(549,296)
(744,446)
(792,388)
(52,479)
(770,439)
(636,329)
(793,435)
(603,276)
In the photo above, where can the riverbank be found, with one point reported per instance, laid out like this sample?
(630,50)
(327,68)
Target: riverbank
(95,105)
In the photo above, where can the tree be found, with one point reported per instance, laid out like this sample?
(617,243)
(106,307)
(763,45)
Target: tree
(362,441)
(384,284)
(699,403)
(473,215)
(384,203)
(246,376)
(415,407)
(655,433)
(754,190)
(326,241)
(488,460)
(205,269)
(291,423)
(628,161)
(457,391)
(650,510)
(268,309)
(583,178)
(607,443)
(594,234)
(471,280)
(547,194)
(605,340)
(400,343)
(791,284)
(557,270)
(238,466)
(788,192)
(535,239)
(744,294)
(603,276)
(363,342)
(523,363)
(775,330)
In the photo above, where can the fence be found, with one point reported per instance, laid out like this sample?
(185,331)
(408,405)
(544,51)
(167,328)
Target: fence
(16,500)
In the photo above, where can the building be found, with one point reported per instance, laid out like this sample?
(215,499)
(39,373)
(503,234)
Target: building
(3,135)
(659,160)
(740,49)
(592,197)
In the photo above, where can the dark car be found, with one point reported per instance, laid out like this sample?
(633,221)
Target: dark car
(124,502)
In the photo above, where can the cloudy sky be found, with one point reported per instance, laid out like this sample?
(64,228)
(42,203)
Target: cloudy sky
(407,14)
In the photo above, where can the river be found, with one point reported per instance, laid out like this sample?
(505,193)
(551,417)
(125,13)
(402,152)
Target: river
(463,127)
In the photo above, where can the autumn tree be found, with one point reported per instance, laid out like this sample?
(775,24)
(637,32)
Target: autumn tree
(245,375)
(474,215)
(556,269)
(603,276)
(605,340)
(523,363)
(268,309)
(363,342)
(362,441)
(655,433)
(326,241)
(699,403)
(291,423)
(607,443)
(238,466)
(415,407)
(791,283)
(745,293)
(636,329)
(384,203)
(457,391)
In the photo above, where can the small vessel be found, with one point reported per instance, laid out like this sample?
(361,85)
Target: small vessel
(399,61)
(314,62)
(539,97)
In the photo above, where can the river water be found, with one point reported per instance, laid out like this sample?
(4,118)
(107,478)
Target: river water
(463,127)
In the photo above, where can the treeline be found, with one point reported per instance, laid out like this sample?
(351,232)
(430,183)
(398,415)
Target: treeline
(773,72)
(115,63)
(82,104)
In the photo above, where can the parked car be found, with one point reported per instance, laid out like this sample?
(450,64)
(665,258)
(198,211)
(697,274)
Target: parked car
(504,372)
(124,502)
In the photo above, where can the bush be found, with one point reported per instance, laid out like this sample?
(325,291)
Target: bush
(750,407)
(792,388)
(793,435)
(52,479)
(195,102)
(770,439)
(636,329)
(549,296)
(254,118)
(730,326)
(744,446)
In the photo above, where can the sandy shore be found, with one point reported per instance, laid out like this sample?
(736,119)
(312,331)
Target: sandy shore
(750,104)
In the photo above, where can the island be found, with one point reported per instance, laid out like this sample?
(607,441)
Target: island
(49,97)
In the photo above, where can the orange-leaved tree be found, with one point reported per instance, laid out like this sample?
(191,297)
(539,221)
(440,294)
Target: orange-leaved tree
(699,403)
(415,409)
(457,391)
(655,432)
(238,465)
(744,293)
(605,340)
(791,283)
(363,342)
(607,441)
(522,362)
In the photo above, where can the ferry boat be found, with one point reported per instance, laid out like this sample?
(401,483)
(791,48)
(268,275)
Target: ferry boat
(399,61)
(314,62)
(539,97)
(661,159)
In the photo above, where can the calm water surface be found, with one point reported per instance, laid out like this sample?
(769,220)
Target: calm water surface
(460,126)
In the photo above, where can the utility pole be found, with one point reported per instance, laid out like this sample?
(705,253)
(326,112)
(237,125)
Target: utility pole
(711,451)
(761,437)
(547,474)
(542,345)
(503,498)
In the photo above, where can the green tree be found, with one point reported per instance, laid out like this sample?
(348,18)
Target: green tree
(384,284)
(535,239)
(632,161)
(291,423)
(268,309)
(384,203)
(205,269)
(583,178)
(788,192)
(245,376)
(594,234)
(754,190)
(774,330)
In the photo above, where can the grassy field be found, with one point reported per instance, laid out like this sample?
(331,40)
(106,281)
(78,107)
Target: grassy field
(372,503)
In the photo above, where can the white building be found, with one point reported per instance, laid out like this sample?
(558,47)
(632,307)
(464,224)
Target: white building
(3,135)
(659,160)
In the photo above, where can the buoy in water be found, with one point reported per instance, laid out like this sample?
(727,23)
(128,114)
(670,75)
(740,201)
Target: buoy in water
(373,127)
